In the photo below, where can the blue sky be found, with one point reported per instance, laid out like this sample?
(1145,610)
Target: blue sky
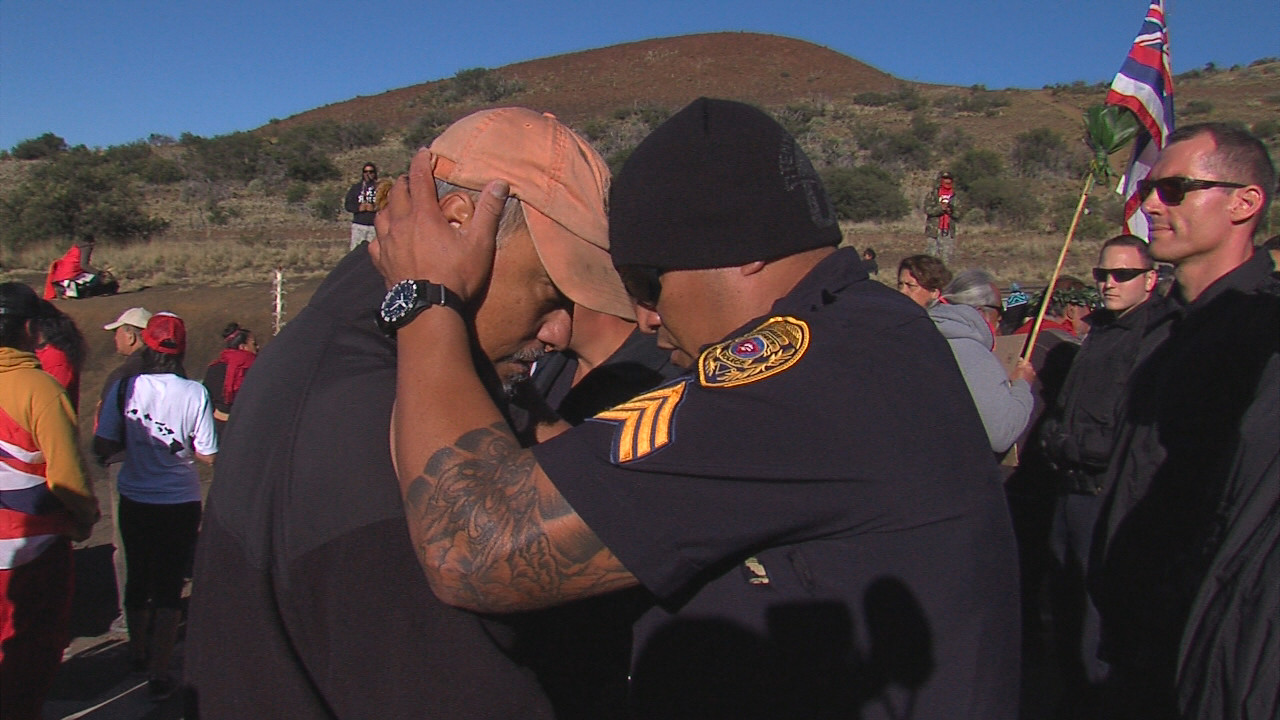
(104,72)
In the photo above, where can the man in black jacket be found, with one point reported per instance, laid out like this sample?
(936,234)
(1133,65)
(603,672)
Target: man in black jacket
(1187,552)
(1078,437)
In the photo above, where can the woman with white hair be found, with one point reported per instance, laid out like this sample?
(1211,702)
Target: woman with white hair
(966,314)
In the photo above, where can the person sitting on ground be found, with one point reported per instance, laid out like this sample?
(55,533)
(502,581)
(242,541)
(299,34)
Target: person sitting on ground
(966,313)
(922,277)
(61,349)
(164,422)
(72,275)
(226,374)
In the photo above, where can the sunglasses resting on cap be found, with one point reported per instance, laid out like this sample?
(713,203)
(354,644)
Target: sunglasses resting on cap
(1173,189)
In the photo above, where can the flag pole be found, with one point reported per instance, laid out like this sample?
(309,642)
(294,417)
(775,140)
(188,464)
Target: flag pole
(1057,270)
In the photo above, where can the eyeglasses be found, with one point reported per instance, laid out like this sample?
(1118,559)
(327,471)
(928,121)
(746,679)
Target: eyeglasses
(368,171)
(643,284)
(1173,190)
(1120,275)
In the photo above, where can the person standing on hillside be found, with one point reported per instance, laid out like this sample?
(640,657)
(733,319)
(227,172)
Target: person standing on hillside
(942,211)
(46,501)
(361,202)
(1186,559)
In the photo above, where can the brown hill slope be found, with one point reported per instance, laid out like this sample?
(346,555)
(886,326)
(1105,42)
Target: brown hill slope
(764,69)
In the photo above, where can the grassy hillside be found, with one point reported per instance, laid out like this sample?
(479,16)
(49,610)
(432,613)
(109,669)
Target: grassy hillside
(229,209)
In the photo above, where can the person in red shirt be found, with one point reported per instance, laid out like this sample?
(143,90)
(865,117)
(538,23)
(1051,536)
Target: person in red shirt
(61,349)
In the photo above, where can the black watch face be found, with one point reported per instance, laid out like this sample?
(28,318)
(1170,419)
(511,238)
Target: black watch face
(400,300)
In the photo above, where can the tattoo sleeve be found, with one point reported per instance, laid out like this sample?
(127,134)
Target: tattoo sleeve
(493,534)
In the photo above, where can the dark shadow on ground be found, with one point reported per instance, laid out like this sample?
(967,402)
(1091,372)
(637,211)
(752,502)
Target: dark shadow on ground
(94,606)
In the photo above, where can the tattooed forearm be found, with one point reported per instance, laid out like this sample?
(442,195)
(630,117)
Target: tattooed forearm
(493,534)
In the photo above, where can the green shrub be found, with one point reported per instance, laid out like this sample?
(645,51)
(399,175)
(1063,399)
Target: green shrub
(47,145)
(78,194)
(923,128)
(865,193)
(1040,151)
(903,150)
(1004,201)
(1102,218)
(297,192)
(797,117)
(974,165)
(977,100)
(426,128)
(237,156)
(327,203)
(616,160)
(872,98)
(162,171)
(1197,107)
(306,163)
(904,96)
(1266,129)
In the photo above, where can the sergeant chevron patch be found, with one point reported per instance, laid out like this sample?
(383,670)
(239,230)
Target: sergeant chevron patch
(644,422)
(768,350)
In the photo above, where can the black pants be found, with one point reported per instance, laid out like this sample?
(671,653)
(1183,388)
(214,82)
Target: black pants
(159,543)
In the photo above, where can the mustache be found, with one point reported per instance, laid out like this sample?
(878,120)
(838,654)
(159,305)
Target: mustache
(527,355)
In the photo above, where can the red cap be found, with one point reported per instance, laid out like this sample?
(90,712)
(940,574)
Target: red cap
(165,333)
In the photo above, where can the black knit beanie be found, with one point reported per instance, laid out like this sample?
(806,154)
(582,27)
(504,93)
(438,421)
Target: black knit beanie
(719,184)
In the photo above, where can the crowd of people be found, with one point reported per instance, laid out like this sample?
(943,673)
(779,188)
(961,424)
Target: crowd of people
(151,424)
(556,444)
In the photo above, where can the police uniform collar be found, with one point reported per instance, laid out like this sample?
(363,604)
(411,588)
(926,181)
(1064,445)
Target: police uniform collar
(831,275)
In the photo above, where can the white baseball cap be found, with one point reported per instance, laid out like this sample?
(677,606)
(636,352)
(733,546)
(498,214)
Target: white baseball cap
(136,316)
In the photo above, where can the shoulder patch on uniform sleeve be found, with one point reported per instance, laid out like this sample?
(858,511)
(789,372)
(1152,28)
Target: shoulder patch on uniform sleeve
(644,422)
(768,350)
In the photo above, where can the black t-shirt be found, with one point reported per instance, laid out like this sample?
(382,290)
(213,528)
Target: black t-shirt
(308,601)
(818,513)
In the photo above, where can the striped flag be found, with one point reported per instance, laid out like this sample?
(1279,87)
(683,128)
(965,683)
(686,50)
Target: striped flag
(1144,85)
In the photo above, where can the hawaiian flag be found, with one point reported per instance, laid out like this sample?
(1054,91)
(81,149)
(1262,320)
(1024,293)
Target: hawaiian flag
(1144,85)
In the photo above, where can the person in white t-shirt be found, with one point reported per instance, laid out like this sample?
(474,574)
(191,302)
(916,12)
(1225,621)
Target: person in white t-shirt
(164,423)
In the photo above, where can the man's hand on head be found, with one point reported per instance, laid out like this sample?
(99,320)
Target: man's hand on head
(416,242)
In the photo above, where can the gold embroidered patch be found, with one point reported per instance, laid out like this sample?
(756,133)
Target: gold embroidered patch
(768,350)
(645,422)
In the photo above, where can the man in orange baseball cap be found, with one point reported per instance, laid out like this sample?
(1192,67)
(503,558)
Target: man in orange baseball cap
(311,603)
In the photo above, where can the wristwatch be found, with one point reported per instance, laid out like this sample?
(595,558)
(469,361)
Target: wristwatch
(407,298)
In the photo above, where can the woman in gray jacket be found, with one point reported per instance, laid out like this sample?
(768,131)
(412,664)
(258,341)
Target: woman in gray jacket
(966,314)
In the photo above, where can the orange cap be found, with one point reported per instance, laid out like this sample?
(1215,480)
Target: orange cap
(562,184)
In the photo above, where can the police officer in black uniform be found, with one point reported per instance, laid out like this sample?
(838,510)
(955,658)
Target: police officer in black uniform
(819,541)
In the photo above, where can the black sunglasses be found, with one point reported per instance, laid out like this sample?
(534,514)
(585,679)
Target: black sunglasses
(1172,190)
(1120,275)
(643,283)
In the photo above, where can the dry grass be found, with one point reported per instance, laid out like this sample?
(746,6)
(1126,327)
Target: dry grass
(219,260)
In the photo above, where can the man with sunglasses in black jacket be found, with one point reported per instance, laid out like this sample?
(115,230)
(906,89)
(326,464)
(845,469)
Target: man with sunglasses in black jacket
(1186,556)
(1078,436)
